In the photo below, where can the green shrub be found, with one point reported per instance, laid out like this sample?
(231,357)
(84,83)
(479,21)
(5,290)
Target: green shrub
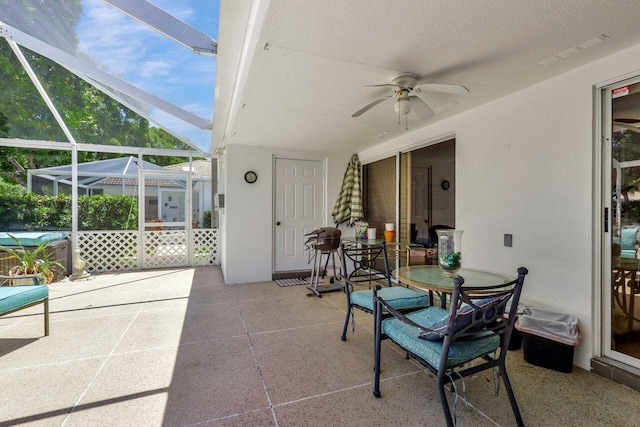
(206,218)
(32,212)
(107,212)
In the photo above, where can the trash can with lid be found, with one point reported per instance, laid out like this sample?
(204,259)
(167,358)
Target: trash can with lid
(548,339)
(516,336)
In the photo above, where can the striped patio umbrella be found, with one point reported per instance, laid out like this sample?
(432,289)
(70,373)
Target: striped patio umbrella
(349,203)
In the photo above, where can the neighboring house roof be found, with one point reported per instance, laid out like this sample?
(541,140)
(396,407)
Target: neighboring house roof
(112,172)
(90,173)
(201,168)
(134,181)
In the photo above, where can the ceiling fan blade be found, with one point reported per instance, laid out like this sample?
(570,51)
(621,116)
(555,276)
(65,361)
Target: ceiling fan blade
(384,85)
(441,87)
(369,106)
(422,110)
(627,121)
(625,126)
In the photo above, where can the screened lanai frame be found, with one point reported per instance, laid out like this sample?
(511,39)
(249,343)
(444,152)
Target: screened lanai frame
(40,33)
(21,35)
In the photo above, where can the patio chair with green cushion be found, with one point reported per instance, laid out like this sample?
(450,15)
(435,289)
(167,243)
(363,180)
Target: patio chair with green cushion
(476,328)
(628,242)
(364,264)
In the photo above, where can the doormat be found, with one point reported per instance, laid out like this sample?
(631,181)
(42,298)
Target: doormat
(294,282)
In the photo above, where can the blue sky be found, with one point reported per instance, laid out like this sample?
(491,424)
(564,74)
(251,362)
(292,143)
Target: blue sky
(141,56)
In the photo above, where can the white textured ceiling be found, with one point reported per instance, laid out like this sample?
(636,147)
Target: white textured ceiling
(306,62)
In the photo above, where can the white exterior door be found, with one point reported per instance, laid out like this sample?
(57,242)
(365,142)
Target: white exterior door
(420,187)
(299,192)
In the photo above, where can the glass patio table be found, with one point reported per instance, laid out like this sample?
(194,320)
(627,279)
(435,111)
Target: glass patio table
(430,278)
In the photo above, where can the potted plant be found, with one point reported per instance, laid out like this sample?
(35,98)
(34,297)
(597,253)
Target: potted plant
(31,262)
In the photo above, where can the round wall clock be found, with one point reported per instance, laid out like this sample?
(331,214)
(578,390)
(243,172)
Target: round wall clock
(445,185)
(251,177)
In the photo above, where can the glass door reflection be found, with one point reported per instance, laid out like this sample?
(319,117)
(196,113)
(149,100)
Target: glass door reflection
(625,219)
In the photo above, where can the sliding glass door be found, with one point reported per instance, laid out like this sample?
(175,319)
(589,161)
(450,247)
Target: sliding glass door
(621,228)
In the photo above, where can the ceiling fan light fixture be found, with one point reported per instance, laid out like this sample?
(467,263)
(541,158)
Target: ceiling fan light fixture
(402,106)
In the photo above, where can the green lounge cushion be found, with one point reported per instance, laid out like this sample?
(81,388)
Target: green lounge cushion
(30,238)
(397,297)
(460,352)
(13,297)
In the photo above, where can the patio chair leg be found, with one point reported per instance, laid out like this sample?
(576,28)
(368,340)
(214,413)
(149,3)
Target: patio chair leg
(376,349)
(512,397)
(346,322)
(445,404)
(46,317)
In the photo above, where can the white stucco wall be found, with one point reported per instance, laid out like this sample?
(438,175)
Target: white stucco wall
(524,166)
(247,220)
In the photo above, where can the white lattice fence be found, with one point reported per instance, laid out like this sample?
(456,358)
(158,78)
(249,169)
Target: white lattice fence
(109,250)
(166,248)
(118,250)
(205,246)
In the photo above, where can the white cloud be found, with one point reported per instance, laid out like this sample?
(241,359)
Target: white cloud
(180,11)
(147,59)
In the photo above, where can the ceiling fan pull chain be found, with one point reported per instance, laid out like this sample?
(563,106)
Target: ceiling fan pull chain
(406,122)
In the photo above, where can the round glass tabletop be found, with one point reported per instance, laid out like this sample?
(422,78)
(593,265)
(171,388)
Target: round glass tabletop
(430,277)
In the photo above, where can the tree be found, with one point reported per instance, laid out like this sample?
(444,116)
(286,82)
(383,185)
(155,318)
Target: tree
(4,127)
(91,115)
(53,21)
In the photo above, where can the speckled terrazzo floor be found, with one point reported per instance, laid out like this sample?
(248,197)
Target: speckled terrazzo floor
(179,348)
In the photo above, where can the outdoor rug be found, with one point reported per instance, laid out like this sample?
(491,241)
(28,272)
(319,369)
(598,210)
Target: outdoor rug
(294,282)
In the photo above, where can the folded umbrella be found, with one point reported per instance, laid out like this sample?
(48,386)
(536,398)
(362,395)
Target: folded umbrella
(349,203)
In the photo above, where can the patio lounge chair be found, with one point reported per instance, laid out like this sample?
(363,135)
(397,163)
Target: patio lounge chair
(19,297)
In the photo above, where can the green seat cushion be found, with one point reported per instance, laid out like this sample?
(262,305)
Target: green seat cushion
(397,297)
(629,236)
(13,297)
(460,352)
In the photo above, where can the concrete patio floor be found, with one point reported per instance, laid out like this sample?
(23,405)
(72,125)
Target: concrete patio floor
(178,348)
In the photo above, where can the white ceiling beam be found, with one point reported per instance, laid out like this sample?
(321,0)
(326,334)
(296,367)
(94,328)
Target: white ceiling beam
(78,66)
(98,148)
(166,24)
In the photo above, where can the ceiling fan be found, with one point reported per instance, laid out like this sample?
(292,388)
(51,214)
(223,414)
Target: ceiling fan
(626,124)
(406,97)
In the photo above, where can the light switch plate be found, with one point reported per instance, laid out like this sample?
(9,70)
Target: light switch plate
(508,240)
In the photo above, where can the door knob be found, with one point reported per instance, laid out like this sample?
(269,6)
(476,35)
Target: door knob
(278,223)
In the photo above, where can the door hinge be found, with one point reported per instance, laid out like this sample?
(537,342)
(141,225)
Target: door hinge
(606,220)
